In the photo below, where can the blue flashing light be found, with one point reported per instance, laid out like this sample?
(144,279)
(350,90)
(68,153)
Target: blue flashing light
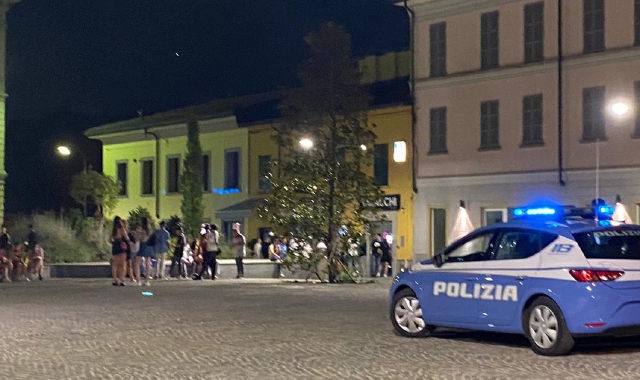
(535,211)
(606,210)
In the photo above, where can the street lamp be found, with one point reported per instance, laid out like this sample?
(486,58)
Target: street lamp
(618,108)
(68,150)
(306,143)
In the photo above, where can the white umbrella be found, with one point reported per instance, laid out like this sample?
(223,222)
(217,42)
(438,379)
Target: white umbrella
(462,226)
(621,215)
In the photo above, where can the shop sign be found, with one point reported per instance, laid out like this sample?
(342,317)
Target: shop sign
(387,203)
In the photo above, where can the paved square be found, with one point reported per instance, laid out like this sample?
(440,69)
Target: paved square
(87,329)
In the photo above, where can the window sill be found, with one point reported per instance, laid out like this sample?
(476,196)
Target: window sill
(535,144)
(438,75)
(147,195)
(437,152)
(590,140)
(123,196)
(174,193)
(489,148)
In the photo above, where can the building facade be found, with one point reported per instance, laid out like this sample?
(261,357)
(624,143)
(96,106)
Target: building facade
(502,121)
(5,5)
(146,156)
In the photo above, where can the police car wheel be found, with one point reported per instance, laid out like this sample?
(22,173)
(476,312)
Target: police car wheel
(546,328)
(406,315)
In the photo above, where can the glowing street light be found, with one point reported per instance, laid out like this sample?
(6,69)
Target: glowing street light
(306,143)
(64,150)
(363,147)
(619,108)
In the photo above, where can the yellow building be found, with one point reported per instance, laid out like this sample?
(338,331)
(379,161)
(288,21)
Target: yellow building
(146,155)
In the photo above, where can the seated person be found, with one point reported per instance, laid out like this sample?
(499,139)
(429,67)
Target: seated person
(36,262)
(6,266)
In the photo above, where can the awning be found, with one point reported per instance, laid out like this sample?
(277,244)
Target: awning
(240,210)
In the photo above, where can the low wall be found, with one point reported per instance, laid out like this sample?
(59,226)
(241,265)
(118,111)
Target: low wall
(253,268)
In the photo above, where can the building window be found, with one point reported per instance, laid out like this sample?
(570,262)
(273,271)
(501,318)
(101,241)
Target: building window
(489,124)
(489,40)
(637,110)
(232,169)
(438,230)
(637,19)
(532,120)
(381,164)
(147,176)
(264,166)
(438,49)
(173,174)
(438,130)
(534,32)
(494,216)
(593,114)
(593,26)
(121,175)
(206,172)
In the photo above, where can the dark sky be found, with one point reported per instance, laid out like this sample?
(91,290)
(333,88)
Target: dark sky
(73,64)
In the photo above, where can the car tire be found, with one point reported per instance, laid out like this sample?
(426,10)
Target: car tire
(545,327)
(406,315)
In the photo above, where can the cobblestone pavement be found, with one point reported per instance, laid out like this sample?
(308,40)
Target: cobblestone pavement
(86,329)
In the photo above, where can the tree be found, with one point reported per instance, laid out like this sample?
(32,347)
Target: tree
(91,186)
(320,191)
(136,215)
(191,182)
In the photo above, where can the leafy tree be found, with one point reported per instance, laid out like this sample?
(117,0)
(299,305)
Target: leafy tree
(321,190)
(172,224)
(91,186)
(136,215)
(191,182)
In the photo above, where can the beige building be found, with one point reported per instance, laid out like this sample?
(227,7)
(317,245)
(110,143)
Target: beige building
(488,83)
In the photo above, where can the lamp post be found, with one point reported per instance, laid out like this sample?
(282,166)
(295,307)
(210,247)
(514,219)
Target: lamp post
(67,151)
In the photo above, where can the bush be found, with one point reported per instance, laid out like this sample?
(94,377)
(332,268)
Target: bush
(57,238)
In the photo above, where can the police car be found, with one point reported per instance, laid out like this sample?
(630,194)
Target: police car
(555,273)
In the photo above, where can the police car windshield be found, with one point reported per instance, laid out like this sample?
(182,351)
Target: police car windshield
(622,244)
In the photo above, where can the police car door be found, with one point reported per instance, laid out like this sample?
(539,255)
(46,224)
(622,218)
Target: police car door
(451,296)
(514,260)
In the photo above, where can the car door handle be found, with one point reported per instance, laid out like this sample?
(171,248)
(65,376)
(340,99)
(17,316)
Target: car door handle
(472,279)
(520,278)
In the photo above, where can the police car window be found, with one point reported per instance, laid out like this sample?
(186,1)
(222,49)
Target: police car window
(473,250)
(622,244)
(515,245)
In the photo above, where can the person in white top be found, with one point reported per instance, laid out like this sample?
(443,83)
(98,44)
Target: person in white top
(257,248)
(239,244)
(212,240)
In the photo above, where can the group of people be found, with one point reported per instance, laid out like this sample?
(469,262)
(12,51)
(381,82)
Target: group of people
(134,250)
(272,248)
(20,261)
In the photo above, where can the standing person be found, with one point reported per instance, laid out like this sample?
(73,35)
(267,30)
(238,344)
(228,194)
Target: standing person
(385,259)
(239,244)
(162,238)
(178,253)
(212,239)
(32,239)
(145,253)
(134,248)
(376,256)
(264,249)
(119,238)
(5,241)
(257,249)
(6,265)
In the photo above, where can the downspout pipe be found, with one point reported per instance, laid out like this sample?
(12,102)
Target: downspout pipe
(560,98)
(412,83)
(157,189)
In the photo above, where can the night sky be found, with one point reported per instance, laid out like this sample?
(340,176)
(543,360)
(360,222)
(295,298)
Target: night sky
(73,64)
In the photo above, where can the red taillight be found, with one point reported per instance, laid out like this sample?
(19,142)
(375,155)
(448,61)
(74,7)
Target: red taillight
(590,275)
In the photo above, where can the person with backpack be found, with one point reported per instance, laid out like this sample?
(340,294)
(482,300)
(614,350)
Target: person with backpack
(212,238)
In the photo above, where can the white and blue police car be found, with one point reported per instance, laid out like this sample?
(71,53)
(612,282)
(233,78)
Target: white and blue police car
(554,273)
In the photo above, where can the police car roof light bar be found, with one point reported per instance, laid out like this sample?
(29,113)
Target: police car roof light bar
(603,212)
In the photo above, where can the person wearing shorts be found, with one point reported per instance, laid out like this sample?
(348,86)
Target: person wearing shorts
(145,253)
